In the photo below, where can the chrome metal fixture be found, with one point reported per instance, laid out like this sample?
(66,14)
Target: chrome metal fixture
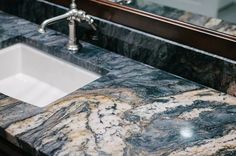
(73,15)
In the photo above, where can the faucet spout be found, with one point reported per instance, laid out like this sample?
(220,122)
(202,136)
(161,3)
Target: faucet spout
(52,20)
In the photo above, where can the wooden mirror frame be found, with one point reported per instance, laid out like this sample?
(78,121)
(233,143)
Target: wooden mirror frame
(195,36)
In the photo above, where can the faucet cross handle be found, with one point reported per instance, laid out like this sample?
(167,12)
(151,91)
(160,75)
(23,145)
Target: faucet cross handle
(90,21)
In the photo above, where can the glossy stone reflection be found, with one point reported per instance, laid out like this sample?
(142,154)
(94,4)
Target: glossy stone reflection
(186,132)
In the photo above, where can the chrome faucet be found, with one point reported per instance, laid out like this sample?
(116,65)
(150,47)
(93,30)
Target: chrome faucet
(73,15)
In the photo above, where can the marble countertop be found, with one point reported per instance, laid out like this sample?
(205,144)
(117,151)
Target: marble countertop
(133,109)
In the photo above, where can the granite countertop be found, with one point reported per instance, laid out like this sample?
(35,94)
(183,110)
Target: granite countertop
(133,109)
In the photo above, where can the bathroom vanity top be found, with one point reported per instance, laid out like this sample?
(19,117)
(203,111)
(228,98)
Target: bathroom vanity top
(133,109)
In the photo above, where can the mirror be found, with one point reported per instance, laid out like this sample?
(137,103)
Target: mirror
(218,15)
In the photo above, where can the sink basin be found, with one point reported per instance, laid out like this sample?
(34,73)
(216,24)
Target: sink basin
(32,76)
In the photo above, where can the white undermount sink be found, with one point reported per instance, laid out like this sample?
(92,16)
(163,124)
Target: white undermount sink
(32,76)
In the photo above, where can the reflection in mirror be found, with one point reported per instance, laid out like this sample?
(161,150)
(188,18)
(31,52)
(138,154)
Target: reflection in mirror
(218,15)
(122,1)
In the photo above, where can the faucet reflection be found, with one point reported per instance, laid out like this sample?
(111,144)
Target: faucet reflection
(122,1)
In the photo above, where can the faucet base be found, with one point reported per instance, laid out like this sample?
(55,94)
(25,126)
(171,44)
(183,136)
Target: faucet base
(74,48)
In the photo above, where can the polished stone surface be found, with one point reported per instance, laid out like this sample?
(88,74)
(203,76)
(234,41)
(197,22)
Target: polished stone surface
(133,109)
(193,64)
